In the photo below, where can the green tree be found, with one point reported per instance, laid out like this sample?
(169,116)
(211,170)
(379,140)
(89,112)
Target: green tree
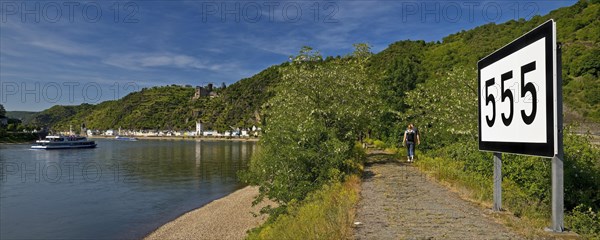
(399,68)
(312,124)
(2,111)
(445,108)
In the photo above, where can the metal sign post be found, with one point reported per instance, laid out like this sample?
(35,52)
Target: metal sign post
(558,192)
(557,160)
(497,181)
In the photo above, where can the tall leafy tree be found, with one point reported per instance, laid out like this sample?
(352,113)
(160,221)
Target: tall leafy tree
(399,69)
(445,108)
(312,124)
(2,110)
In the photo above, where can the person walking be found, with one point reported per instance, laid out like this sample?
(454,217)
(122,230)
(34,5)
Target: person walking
(410,138)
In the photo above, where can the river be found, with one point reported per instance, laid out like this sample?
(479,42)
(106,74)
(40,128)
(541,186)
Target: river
(119,190)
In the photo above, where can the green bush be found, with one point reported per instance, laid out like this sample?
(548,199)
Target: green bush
(379,144)
(582,172)
(584,221)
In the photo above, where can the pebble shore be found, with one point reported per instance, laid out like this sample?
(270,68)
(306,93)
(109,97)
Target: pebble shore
(227,218)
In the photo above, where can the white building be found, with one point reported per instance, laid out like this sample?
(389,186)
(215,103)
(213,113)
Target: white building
(210,133)
(198,127)
(245,133)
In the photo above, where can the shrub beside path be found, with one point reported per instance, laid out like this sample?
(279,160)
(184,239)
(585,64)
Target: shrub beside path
(399,202)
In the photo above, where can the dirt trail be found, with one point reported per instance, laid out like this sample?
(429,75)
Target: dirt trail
(399,202)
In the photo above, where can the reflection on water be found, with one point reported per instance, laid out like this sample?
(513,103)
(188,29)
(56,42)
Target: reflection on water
(118,190)
(198,153)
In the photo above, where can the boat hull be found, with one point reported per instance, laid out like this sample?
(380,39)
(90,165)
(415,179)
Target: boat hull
(129,139)
(64,146)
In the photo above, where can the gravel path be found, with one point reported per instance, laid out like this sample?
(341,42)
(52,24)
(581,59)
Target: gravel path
(226,218)
(399,202)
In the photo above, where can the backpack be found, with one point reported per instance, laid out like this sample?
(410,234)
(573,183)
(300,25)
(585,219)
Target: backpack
(410,135)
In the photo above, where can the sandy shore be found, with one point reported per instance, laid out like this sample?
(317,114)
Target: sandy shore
(226,218)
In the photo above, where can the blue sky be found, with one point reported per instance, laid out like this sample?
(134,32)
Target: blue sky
(68,53)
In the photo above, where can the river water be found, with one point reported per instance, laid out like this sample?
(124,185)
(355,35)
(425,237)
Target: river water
(119,190)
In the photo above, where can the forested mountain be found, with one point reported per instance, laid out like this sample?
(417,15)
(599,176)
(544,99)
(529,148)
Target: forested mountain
(52,116)
(169,107)
(24,116)
(400,68)
(151,108)
(239,105)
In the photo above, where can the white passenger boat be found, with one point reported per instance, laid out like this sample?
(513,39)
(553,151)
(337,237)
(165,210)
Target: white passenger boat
(63,142)
(125,138)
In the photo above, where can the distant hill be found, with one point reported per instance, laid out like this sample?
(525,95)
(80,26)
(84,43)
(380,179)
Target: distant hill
(169,107)
(24,116)
(239,105)
(52,116)
(402,65)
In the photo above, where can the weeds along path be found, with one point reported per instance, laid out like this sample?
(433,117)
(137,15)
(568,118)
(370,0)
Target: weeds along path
(399,202)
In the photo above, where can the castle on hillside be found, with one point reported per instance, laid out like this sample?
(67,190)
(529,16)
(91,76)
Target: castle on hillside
(204,92)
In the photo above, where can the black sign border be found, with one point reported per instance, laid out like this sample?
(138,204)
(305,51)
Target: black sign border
(535,149)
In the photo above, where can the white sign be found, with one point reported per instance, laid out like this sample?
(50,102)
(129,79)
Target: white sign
(517,89)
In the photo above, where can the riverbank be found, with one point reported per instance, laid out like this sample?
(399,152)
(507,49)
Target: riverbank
(227,218)
(185,138)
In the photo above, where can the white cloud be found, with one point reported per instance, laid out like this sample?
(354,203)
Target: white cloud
(32,38)
(140,61)
(63,47)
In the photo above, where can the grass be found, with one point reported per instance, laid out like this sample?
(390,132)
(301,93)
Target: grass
(325,214)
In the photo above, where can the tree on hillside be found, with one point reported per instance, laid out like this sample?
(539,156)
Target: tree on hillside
(2,111)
